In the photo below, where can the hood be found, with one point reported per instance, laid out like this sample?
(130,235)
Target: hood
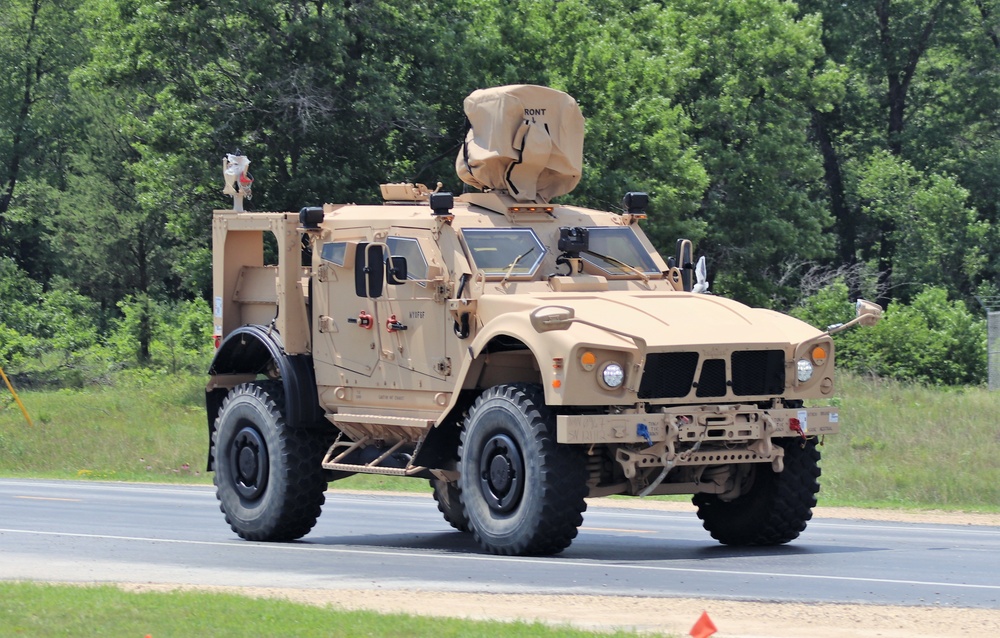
(663,319)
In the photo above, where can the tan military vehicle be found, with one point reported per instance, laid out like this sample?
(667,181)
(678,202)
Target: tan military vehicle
(521,355)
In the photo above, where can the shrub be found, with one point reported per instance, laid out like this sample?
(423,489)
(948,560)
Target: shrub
(179,334)
(932,340)
(15,347)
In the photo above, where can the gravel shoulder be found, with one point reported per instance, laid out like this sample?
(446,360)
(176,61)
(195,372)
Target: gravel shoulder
(676,616)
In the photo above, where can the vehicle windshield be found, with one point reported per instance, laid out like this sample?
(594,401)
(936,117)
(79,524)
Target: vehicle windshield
(504,252)
(622,244)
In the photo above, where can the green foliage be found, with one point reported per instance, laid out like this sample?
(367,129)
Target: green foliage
(33,322)
(82,611)
(760,75)
(936,239)
(15,347)
(773,134)
(19,293)
(622,63)
(932,340)
(179,334)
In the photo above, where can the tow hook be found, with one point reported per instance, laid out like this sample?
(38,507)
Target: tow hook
(795,426)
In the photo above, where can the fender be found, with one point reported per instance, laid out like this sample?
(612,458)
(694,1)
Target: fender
(247,351)
(516,327)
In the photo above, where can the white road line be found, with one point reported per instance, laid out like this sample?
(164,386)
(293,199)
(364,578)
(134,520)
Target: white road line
(552,562)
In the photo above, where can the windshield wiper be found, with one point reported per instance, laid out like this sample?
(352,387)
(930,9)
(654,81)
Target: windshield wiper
(513,265)
(621,264)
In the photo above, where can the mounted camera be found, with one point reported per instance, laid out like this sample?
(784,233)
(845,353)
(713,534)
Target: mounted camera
(572,241)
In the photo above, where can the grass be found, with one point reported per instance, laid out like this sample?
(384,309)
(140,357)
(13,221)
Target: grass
(900,445)
(139,429)
(61,610)
(904,445)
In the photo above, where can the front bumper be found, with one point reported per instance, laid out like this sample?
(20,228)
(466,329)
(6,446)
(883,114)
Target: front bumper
(729,424)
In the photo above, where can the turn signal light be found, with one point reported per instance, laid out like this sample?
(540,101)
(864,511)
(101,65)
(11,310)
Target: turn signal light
(819,355)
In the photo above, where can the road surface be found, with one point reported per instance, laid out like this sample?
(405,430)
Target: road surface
(135,533)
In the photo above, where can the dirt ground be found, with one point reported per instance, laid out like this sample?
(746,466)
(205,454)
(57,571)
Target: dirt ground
(676,616)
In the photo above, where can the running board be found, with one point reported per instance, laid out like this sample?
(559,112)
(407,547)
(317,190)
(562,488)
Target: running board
(368,469)
(336,458)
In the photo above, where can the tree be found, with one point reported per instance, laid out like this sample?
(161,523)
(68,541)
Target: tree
(758,76)
(40,45)
(923,86)
(623,65)
(705,105)
(937,238)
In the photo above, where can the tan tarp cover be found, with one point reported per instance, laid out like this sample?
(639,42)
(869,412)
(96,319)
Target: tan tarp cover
(525,139)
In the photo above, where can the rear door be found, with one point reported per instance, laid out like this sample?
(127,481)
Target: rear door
(346,334)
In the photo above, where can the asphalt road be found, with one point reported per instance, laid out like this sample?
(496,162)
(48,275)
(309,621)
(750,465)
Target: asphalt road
(100,532)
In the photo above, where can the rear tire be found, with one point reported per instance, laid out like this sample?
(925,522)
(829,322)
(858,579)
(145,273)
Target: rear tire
(523,493)
(777,506)
(449,502)
(269,477)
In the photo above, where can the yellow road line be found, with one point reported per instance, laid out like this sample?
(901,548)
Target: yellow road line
(49,498)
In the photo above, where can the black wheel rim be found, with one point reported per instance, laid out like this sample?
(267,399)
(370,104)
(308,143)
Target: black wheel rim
(248,458)
(501,473)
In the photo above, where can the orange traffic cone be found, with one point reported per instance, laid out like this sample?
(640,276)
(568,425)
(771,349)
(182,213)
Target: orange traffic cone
(704,627)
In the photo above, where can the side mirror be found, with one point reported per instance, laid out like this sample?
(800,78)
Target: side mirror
(684,263)
(552,318)
(395,270)
(369,270)
(869,313)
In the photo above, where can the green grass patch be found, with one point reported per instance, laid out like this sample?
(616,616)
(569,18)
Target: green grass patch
(901,445)
(140,428)
(63,610)
(906,445)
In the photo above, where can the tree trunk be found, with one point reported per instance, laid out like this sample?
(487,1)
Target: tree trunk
(32,72)
(900,67)
(990,33)
(844,216)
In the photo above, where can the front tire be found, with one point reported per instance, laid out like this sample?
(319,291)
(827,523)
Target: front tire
(269,477)
(523,493)
(777,506)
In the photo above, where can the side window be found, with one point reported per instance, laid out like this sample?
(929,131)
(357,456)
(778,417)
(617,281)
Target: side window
(416,264)
(334,252)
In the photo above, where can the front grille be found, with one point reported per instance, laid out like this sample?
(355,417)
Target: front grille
(712,381)
(758,372)
(670,375)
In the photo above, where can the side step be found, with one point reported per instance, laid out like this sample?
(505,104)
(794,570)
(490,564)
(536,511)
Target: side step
(340,451)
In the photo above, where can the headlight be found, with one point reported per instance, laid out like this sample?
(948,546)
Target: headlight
(613,375)
(805,371)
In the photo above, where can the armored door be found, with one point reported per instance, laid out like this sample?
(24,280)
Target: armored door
(346,334)
(415,316)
